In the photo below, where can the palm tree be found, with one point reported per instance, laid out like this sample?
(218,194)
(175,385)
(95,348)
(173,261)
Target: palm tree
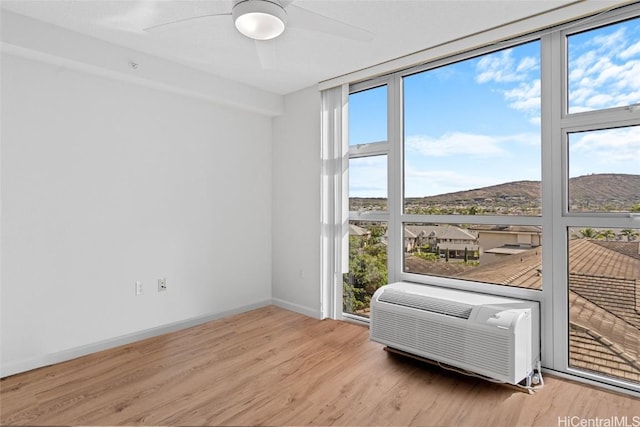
(607,234)
(589,233)
(630,233)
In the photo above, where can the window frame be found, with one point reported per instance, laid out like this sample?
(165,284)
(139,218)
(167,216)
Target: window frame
(363,150)
(563,219)
(475,219)
(555,219)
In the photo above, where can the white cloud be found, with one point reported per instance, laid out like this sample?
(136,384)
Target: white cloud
(631,51)
(525,97)
(468,144)
(617,148)
(368,177)
(455,143)
(502,67)
(610,41)
(599,99)
(526,64)
(604,71)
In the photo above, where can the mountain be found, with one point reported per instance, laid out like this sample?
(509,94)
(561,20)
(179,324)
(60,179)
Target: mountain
(604,191)
(598,192)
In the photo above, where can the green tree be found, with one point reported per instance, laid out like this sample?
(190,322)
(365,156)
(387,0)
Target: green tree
(589,233)
(427,256)
(474,210)
(635,207)
(367,270)
(607,234)
(630,233)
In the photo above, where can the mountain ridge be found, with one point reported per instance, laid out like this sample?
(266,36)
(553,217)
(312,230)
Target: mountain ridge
(596,192)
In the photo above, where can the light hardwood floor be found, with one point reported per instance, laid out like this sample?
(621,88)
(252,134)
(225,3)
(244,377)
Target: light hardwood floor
(274,367)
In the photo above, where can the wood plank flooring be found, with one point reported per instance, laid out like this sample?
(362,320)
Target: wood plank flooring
(274,367)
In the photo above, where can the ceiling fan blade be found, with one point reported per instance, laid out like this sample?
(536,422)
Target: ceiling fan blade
(266,50)
(305,19)
(179,21)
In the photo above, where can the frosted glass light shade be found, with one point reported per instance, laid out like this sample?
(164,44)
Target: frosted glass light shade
(259,19)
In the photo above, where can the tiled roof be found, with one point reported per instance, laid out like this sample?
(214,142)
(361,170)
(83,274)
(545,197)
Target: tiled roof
(526,273)
(592,258)
(595,354)
(616,295)
(441,231)
(354,230)
(603,342)
(507,228)
(631,249)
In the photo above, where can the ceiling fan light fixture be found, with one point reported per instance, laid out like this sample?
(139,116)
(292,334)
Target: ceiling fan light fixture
(259,19)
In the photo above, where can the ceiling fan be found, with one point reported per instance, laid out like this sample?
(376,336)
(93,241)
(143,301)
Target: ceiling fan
(265,20)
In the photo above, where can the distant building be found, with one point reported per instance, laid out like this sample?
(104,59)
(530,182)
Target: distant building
(446,240)
(497,241)
(355,230)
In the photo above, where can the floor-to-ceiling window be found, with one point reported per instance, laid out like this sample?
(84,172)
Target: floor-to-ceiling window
(513,169)
(601,144)
(368,197)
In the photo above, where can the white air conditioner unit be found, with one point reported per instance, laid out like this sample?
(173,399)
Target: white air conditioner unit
(492,336)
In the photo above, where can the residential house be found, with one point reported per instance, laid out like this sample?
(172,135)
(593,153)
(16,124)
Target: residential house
(445,240)
(499,240)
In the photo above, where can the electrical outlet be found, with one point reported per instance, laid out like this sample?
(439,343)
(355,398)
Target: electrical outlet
(139,290)
(162,284)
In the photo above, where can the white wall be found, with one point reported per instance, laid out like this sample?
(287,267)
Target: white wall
(296,204)
(105,183)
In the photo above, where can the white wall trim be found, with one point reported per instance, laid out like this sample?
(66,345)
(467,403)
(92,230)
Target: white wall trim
(36,40)
(19,366)
(301,309)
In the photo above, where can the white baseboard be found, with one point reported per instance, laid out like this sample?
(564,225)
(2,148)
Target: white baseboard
(19,366)
(307,311)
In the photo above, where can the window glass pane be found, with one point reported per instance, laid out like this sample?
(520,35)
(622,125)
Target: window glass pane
(604,301)
(368,184)
(472,136)
(367,265)
(604,170)
(498,254)
(604,67)
(368,116)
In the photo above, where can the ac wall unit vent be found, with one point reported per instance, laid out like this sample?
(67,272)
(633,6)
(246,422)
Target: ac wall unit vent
(433,305)
(492,336)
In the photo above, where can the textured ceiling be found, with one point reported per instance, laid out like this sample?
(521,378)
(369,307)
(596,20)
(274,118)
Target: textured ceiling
(299,58)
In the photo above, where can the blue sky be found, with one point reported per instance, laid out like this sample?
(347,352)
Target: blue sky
(477,122)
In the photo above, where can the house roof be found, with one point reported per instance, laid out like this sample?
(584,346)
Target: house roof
(602,342)
(440,231)
(506,250)
(601,259)
(507,228)
(631,249)
(527,273)
(354,230)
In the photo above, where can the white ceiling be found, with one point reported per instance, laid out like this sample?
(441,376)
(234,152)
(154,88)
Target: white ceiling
(300,57)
